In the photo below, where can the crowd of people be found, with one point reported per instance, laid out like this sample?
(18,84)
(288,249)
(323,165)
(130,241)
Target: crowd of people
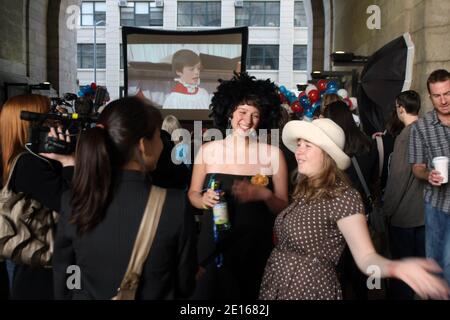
(296,205)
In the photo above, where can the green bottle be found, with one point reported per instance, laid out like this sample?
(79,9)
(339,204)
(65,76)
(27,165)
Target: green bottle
(220,210)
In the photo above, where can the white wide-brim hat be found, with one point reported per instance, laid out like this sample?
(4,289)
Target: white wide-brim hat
(324,133)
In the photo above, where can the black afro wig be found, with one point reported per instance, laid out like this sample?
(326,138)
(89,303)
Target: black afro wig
(246,89)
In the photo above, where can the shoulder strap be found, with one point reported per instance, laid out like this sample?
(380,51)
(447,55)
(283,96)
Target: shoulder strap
(380,155)
(361,177)
(142,244)
(11,170)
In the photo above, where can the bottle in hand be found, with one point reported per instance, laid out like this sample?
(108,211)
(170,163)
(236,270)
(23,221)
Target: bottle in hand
(220,210)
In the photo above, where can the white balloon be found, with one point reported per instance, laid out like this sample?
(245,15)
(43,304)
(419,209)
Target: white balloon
(343,93)
(309,88)
(354,103)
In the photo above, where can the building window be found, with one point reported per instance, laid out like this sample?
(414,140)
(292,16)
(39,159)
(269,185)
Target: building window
(262,57)
(299,14)
(259,14)
(199,14)
(300,57)
(85,56)
(93,11)
(144,13)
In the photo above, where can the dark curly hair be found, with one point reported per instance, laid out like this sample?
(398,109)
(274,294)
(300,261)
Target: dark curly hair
(246,89)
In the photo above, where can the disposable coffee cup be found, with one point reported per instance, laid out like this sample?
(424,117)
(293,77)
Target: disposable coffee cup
(441,164)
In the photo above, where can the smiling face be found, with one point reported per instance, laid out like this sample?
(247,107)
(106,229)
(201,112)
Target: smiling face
(190,74)
(245,119)
(440,97)
(309,158)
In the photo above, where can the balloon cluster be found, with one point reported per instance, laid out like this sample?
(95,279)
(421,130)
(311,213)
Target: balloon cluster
(310,100)
(88,90)
(289,98)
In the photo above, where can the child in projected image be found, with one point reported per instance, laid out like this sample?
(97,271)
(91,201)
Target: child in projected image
(187,94)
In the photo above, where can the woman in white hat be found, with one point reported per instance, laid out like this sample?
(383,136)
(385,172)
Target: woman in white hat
(326,212)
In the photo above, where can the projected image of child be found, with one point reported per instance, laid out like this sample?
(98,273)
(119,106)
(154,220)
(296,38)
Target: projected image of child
(187,94)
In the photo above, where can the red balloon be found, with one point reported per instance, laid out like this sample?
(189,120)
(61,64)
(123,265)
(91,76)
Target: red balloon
(322,85)
(314,96)
(303,93)
(283,98)
(94,86)
(296,107)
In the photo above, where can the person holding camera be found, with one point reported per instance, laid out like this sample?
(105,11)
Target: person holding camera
(42,177)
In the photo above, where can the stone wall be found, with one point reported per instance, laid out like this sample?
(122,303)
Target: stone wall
(67,50)
(12,33)
(37,40)
(36,44)
(13,58)
(427,21)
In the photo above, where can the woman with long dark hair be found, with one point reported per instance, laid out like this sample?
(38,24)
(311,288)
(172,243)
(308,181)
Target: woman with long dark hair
(102,214)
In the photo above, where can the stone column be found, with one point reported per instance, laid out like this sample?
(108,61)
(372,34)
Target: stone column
(286,36)
(61,47)
(67,49)
(170,15)
(113,38)
(318,34)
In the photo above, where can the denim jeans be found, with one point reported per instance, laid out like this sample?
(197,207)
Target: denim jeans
(437,238)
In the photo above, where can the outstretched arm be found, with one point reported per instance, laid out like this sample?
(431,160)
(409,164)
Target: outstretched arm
(417,273)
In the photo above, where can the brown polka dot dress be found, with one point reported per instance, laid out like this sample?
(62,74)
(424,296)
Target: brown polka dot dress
(309,244)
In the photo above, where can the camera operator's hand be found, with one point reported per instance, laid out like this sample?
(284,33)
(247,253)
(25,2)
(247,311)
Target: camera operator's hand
(65,160)
(61,109)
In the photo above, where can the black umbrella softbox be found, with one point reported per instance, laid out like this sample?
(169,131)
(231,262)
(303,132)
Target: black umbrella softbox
(387,73)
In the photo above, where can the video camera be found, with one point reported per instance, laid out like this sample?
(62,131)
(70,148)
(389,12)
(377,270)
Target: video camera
(84,114)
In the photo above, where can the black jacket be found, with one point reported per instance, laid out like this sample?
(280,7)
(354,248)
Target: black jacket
(103,253)
(168,174)
(44,181)
(368,163)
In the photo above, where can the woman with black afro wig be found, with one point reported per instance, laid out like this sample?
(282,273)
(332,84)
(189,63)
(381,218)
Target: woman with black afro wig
(246,89)
(253,176)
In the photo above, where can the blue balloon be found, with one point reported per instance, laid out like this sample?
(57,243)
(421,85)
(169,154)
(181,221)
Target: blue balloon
(291,97)
(316,105)
(307,105)
(331,91)
(332,85)
(87,90)
(309,115)
(80,93)
(304,102)
(303,99)
(283,89)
